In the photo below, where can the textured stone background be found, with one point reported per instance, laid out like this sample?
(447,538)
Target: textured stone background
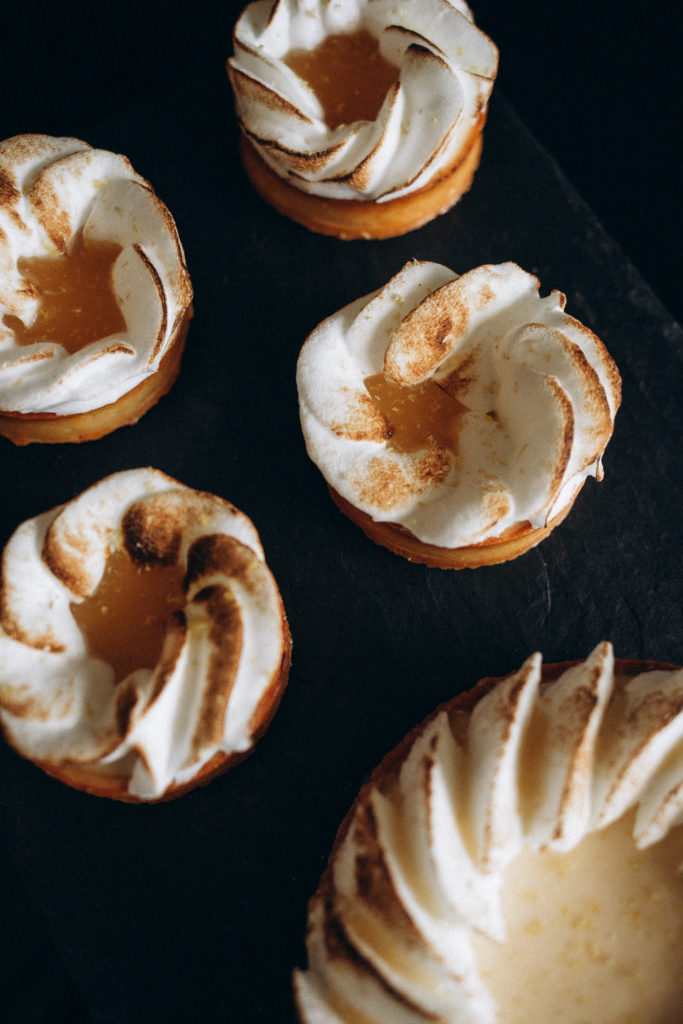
(156,915)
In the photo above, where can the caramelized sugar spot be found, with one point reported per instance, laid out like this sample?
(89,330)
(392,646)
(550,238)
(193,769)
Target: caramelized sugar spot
(124,620)
(348,74)
(77,300)
(416,413)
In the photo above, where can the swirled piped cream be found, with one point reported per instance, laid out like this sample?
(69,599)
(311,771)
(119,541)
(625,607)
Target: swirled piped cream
(429,108)
(516,859)
(456,407)
(60,197)
(142,636)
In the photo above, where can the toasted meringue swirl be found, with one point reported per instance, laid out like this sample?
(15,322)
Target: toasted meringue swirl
(447,68)
(222,651)
(538,393)
(53,190)
(416,874)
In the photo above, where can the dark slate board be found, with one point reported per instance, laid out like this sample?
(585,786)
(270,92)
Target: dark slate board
(196,909)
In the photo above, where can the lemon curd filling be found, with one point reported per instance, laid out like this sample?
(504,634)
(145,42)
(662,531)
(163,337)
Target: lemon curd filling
(348,74)
(124,620)
(595,934)
(416,413)
(77,301)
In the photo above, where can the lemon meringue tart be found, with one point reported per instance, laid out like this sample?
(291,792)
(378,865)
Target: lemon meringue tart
(143,641)
(363,118)
(516,860)
(95,296)
(455,419)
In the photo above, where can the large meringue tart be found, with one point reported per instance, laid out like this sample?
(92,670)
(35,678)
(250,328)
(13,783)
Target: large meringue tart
(518,859)
(95,297)
(455,419)
(364,118)
(143,642)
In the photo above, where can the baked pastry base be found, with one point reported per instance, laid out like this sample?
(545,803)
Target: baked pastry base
(353,218)
(513,542)
(95,781)
(48,428)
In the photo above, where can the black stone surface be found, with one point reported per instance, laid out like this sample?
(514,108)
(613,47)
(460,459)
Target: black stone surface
(195,910)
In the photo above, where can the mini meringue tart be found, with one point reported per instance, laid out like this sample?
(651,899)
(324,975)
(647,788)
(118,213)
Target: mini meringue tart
(143,641)
(95,297)
(362,118)
(517,859)
(455,419)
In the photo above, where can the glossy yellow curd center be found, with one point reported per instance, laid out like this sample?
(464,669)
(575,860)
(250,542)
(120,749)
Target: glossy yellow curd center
(348,74)
(416,413)
(593,935)
(124,621)
(77,301)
